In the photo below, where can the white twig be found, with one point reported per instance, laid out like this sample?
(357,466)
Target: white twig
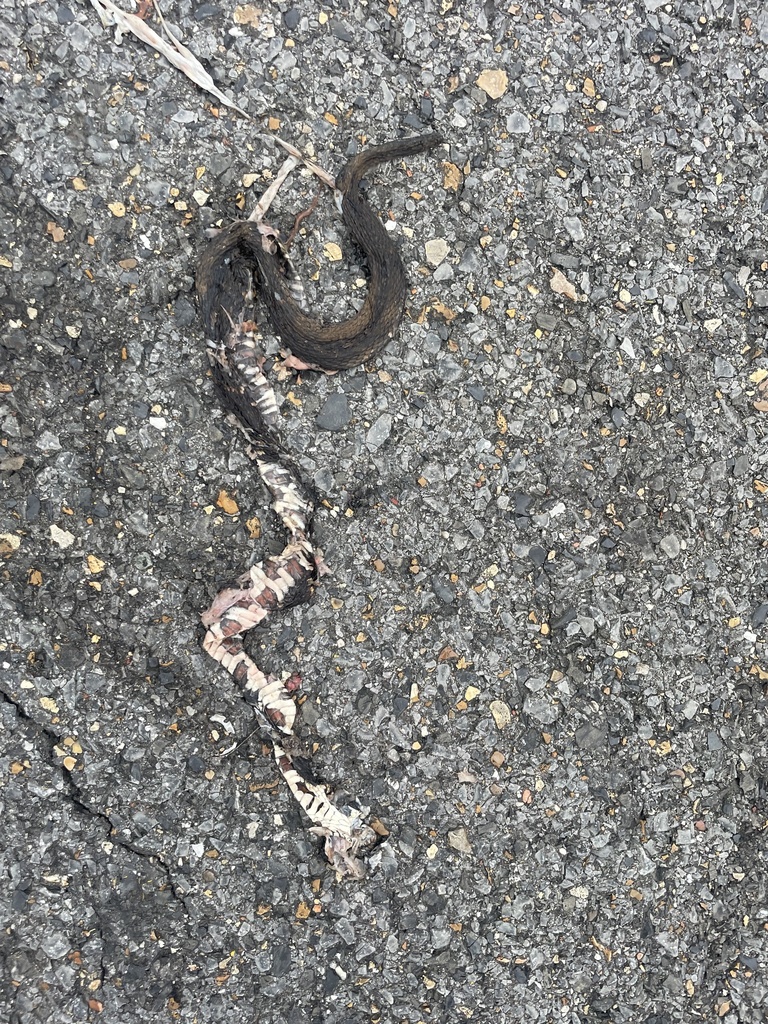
(268,198)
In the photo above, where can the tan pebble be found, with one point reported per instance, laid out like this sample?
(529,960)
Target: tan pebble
(493,82)
(436,250)
(459,840)
(502,715)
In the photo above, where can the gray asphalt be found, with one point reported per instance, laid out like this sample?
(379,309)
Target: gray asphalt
(541,656)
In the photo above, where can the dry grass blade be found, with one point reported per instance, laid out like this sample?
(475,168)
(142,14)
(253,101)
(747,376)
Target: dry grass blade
(268,198)
(173,51)
(178,55)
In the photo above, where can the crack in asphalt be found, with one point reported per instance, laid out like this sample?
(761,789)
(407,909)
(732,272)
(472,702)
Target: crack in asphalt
(79,800)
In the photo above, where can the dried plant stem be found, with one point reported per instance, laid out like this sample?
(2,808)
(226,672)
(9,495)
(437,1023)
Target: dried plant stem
(268,198)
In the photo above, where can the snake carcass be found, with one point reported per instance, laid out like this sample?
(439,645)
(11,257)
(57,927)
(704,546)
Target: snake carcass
(244,261)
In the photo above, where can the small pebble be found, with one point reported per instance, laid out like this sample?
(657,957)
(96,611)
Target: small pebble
(546,321)
(494,82)
(380,431)
(436,250)
(335,414)
(459,840)
(670,545)
(575,228)
(502,715)
(518,124)
(723,368)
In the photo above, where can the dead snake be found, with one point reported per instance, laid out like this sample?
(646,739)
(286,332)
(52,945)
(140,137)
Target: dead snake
(233,266)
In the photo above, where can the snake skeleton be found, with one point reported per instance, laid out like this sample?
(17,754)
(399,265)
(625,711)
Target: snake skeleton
(244,258)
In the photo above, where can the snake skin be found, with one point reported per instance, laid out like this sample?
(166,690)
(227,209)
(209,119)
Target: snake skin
(242,260)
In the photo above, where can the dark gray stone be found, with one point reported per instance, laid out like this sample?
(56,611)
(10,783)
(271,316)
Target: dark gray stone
(334,414)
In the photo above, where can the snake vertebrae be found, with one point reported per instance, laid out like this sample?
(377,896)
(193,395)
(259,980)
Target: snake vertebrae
(234,266)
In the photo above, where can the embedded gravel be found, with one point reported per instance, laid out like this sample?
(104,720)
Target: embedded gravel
(541,656)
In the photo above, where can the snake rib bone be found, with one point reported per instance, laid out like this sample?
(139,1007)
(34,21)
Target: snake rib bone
(233,267)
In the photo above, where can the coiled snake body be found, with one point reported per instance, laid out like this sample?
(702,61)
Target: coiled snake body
(236,261)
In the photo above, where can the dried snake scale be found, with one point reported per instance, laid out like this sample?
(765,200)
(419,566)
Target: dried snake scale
(344,830)
(240,257)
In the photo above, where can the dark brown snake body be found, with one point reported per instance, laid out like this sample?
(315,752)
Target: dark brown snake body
(234,265)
